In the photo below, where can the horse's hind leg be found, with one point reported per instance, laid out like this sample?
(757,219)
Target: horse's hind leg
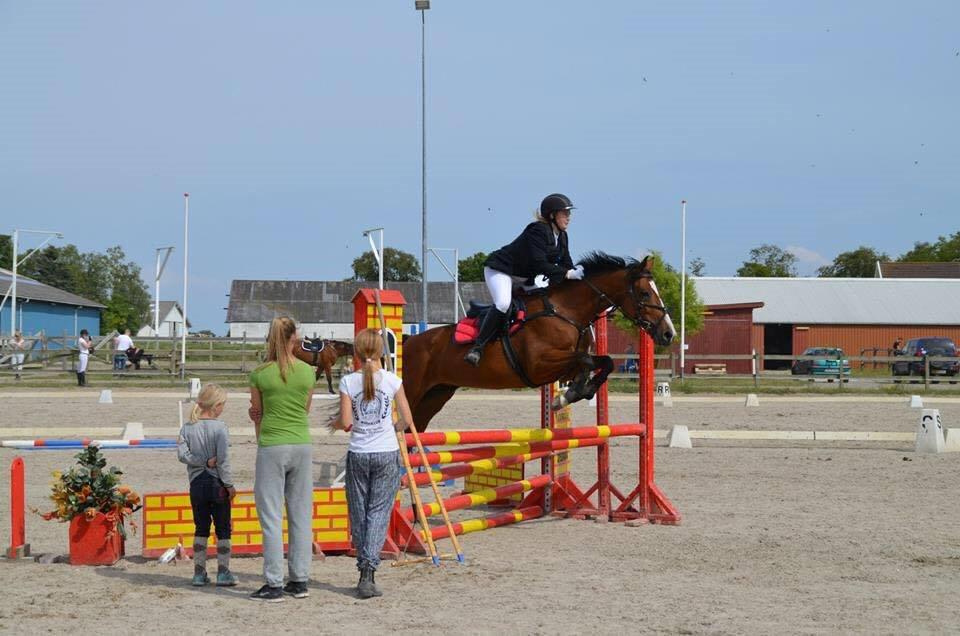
(326,372)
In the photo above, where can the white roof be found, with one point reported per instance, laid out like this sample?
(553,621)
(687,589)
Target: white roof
(840,301)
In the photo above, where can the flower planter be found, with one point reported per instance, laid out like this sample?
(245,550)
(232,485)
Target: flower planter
(96,542)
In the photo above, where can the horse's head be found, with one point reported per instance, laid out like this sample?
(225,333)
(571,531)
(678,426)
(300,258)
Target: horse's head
(629,286)
(644,305)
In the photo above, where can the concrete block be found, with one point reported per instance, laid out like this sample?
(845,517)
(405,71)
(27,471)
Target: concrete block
(106,397)
(916,402)
(194,388)
(680,437)
(133,430)
(952,442)
(752,400)
(929,432)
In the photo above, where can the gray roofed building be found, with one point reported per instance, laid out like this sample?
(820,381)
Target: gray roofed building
(324,308)
(848,301)
(29,289)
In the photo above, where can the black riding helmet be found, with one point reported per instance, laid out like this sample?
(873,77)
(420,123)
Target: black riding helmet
(553,203)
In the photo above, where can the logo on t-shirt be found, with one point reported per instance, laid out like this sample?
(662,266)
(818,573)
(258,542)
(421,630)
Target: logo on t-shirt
(370,413)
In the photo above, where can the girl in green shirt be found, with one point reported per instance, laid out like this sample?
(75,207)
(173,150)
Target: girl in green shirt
(281,391)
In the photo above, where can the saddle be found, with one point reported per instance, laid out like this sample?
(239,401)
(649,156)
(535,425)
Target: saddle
(469,326)
(313,345)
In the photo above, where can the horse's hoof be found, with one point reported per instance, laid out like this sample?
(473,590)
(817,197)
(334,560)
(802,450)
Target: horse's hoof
(559,402)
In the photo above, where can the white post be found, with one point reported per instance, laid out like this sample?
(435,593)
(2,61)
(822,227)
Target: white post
(377,254)
(683,286)
(13,288)
(186,249)
(454,274)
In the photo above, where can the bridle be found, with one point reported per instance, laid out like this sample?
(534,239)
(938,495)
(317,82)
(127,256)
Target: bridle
(638,304)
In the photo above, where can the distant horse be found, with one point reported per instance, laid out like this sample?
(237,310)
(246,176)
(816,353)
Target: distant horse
(552,344)
(323,354)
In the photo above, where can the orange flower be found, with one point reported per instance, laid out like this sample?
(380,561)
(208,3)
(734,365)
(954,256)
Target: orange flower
(123,490)
(90,513)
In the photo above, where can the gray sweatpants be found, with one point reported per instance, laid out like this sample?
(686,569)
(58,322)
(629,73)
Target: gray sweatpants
(372,483)
(285,472)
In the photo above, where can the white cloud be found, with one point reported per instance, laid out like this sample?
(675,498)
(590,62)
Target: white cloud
(807,256)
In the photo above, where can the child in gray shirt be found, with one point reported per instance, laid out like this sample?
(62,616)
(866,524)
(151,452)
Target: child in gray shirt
(202,446)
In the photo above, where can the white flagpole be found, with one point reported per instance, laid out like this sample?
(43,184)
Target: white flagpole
(186,237)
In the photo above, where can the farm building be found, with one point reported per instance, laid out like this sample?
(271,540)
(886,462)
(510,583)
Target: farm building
(42,308)
(863,316)
(171,321)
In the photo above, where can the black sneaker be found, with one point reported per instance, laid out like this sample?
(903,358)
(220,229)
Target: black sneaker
(296,589)
(268,594)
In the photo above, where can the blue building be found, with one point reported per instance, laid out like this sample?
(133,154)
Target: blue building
(48,309)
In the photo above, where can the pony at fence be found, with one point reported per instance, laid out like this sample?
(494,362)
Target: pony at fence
(323,354)
(552,344)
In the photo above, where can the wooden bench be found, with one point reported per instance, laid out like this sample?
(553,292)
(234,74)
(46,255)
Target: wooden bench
(710,368)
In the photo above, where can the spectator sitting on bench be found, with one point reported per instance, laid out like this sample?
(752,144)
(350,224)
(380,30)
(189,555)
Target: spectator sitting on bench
(630,365)
(123,344)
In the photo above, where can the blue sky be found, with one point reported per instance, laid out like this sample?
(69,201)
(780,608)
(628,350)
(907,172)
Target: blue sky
(815,126)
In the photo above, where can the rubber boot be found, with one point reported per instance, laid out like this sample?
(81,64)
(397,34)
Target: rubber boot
(489,329)
(365,587)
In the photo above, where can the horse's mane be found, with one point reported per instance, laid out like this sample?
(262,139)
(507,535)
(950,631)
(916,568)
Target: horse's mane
(600,262)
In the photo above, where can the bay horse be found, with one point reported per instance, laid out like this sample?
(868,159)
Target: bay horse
(551,345)
(323,354)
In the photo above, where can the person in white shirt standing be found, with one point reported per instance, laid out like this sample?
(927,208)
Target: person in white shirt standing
(121,344)
(85,345)
(373,456)
(16,360)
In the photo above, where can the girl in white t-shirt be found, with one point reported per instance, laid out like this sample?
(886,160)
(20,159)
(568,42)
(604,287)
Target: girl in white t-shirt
(373,456)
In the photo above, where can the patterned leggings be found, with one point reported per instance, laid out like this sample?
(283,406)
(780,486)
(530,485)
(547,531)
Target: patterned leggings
(372,483)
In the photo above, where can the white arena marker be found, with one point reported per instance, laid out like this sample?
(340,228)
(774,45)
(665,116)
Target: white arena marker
(133,430)
(680,437)
(952,443)
(194,388)
(916,402)
(752,400)
(929,432)
(106,397)
(663,389)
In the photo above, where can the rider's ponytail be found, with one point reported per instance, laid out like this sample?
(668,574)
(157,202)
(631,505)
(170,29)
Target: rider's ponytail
(368,346)
(282,329)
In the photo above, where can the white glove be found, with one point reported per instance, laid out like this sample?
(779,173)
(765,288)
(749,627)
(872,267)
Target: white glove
(541,281)
(576,273)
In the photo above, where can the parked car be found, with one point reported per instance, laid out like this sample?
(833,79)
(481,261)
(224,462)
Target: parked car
(826,363)
(919,347)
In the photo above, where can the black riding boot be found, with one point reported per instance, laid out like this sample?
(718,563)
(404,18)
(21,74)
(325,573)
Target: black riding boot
(83,379)
(79,378)
(489,329)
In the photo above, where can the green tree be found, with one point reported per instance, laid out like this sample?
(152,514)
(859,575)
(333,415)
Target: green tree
(668,282)
(399,266)
(946,249)
(769,260)
(471,268)
(129,303)
(698,267)
(859,263)
(6,251)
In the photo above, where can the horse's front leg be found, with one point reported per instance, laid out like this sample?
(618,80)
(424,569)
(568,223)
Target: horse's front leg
(595,370)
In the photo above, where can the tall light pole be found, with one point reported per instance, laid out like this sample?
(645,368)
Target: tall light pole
(377,254)
(186,251)
(683,285)
(16,261)
(422,6)
(156,298)
(455,274)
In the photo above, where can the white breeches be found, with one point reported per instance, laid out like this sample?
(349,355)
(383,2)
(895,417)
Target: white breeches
(82,361)
(501,287)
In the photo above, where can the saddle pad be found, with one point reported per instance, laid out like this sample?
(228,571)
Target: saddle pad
(468,329)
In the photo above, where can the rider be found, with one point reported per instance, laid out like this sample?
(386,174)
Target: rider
(542,248)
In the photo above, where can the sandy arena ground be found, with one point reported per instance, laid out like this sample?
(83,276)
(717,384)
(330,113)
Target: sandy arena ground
(777,537)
